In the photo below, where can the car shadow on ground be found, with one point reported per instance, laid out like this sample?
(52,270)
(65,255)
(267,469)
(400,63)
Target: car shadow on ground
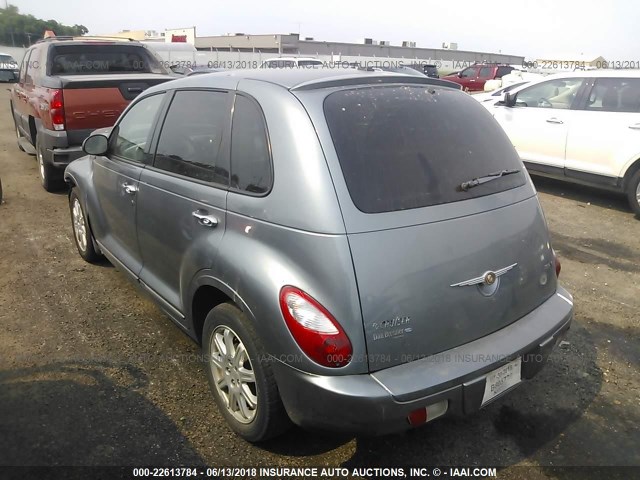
(523,424)
(582,193)
(85,414)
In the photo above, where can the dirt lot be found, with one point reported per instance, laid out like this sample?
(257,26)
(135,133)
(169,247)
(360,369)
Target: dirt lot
(92,373)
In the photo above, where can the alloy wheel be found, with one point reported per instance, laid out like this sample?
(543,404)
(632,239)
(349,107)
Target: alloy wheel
(79,225)
(233,374)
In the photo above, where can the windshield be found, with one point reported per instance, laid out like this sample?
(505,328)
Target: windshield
(307,63)
(103,59)
(403,147)
(7,59)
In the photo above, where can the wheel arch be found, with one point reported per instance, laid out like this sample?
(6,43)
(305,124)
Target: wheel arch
(630,172)
(207,292)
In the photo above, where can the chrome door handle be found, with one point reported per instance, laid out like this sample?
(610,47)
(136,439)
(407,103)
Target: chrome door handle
(205,219)
(635,126)
(129,189)
(554,120)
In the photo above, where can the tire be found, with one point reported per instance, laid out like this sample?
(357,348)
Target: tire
(82,234)
(268,419)
(51,178)
(633,193)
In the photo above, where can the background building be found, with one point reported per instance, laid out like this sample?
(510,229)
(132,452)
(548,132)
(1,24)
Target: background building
(292,44)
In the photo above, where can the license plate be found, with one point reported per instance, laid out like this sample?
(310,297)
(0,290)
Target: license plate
(502,379)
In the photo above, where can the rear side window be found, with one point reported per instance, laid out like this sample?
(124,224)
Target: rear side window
(485,72)
(403,147)
(192,135)
(615,95)
(250,152)
(102,59)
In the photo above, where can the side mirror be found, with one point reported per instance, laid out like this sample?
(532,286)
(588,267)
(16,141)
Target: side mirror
(459,74)
(95,144)
(509,99)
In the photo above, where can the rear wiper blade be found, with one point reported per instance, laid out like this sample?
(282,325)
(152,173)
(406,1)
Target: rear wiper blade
(464,186)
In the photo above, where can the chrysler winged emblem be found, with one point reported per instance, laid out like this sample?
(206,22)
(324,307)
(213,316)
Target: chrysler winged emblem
(488,282)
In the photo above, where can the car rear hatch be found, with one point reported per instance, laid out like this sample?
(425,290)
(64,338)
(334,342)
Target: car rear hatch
(100,79)
(437,266)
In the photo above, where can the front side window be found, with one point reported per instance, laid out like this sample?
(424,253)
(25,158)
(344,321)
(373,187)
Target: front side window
(468,73)
(250,152)
(615,95)
(403,147)
(191,140)
(131,138)
(559,94)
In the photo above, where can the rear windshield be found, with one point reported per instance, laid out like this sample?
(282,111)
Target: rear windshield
(102,59)
(403,147)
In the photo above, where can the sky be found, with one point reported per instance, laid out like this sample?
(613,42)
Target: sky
(534,29)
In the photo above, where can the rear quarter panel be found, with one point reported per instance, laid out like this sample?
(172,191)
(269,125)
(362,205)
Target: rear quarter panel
(292,236)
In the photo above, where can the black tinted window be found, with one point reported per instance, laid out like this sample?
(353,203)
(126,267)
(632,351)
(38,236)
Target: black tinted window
(615,95)
(101,59)
(469,73)
(250,154)
(131,137)
(409,147)
(502,71)
(191,140)
(431,71)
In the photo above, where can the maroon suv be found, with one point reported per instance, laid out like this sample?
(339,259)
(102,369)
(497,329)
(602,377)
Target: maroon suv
(70,86)
(473,78)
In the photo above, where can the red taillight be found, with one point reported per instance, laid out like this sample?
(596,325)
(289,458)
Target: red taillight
(418,417)
(56,110)
(557,263)
(428,413)
(315,330)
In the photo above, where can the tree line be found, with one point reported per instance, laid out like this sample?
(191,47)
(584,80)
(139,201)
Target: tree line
(20,30)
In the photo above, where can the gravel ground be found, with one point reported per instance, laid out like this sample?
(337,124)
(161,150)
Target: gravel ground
(92,373)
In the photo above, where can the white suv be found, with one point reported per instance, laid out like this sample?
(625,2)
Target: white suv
(582,127)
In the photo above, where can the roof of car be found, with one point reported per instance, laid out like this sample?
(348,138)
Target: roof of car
(84,40)
(303,78)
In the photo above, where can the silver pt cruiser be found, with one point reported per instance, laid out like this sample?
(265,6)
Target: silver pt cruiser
(361,252)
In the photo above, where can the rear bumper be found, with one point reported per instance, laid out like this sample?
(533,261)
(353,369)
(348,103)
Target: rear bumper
(62,147)
(379,403)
